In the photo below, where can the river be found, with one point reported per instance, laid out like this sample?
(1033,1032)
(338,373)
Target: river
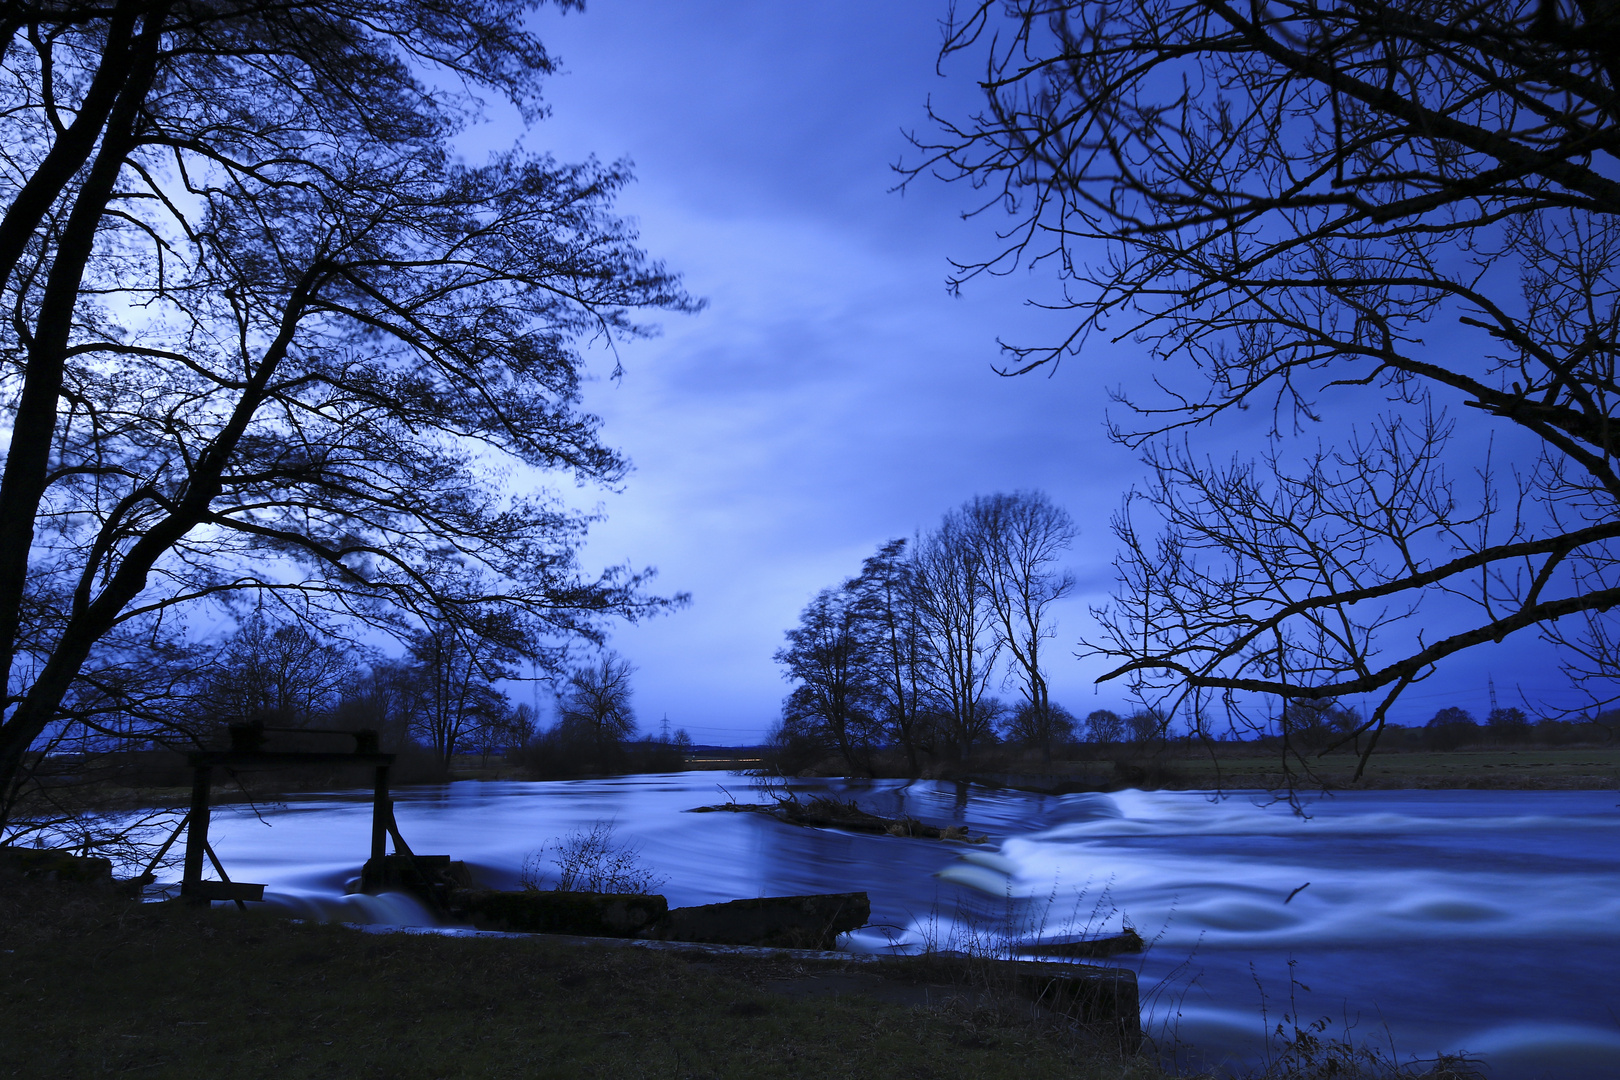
(1420,921)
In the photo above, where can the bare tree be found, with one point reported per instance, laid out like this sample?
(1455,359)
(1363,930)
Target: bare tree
(1104,727)
(1315,723)
(280,669)
(265,332)
(1019,539)
(1283,201)
(1146,727)
(958,626)
(455,671)
(596,704)
(1041,727)
(834,697)
(893,647)
(387,699)
(515,728)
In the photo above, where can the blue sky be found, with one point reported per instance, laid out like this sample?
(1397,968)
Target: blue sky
(832,395)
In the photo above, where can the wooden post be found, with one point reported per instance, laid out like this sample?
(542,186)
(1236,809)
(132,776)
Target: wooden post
(197,835)
(379,815)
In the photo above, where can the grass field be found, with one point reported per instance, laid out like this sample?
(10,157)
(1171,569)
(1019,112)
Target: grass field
(94,986)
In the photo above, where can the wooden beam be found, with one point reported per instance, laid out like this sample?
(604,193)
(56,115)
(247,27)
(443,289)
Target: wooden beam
(197,836)
(146,875)
(381,811)
(284,758)
(238,891)
(219,868)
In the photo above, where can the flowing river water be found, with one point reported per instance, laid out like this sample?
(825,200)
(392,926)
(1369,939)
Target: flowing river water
(1432,921)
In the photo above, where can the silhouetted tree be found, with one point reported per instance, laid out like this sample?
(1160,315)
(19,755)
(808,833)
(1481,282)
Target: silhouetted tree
(386,699)
(893,648)
(1041,729)
(1018,539)
(455,673)
(792,747)
(1449,729)
(1104,727)
(595,705)
(1146,727)
(266,330)
(1280,201)
(958,628)
(1317,725)
(835,695)
(908,647)
(283,670)
(515,727)
(1508,725)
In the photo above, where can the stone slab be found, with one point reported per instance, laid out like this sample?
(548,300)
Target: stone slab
(791,922)
(545,912)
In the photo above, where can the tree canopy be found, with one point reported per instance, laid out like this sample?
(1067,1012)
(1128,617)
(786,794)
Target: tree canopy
(267,335)
(905,653)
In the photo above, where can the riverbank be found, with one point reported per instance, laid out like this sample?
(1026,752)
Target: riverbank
(1231,767)
(1586,768)
(91,985)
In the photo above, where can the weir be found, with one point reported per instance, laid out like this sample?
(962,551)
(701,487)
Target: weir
(247,751)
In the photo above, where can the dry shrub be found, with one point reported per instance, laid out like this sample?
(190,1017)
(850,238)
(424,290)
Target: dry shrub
(590,860)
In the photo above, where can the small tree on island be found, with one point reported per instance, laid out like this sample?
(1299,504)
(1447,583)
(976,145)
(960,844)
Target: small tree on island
(835,693)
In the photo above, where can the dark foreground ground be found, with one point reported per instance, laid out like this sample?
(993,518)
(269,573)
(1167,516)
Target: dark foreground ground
(91,985)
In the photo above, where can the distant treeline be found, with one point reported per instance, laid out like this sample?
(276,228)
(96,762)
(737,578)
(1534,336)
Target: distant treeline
(438,703)
(892,671)
(1317,726)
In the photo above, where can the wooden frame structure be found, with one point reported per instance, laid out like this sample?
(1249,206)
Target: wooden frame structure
(247,751)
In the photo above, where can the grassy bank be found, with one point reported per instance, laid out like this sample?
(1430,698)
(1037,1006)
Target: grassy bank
(95,986)
(1233,768)
(1484,768)
(1534,769)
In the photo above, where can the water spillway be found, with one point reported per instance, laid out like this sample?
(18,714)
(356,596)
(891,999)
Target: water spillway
(1421,922)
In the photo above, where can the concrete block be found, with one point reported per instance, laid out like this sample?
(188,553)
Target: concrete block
(786,922)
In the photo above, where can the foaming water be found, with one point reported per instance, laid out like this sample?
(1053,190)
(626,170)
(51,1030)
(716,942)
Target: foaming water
(1422,921)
